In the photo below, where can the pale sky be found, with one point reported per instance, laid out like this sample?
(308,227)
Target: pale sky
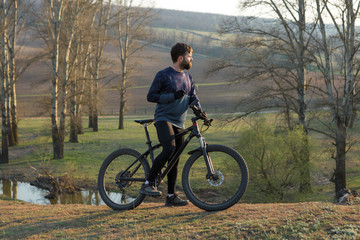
(227,7)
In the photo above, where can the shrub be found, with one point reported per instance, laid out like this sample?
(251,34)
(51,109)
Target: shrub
(274,158)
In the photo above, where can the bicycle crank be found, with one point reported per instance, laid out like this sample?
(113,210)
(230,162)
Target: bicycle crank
(122,184)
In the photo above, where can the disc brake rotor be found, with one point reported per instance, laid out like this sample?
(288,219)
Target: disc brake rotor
(218,181)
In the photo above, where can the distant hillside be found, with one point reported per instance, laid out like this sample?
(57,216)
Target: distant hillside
(188,20)
(169,27)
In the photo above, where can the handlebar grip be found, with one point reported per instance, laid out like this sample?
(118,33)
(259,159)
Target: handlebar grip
(208,122)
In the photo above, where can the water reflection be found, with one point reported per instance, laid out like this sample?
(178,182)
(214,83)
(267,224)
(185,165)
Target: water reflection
(25,192)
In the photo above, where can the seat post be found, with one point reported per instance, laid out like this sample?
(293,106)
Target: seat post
(147,135)
(149,141)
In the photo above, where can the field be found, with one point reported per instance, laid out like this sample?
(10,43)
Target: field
(84,159)
(311,220)
(34,86)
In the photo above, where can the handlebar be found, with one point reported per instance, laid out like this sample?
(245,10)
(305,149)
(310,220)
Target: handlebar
(200,114)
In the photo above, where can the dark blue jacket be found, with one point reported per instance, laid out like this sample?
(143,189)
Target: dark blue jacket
(165,84)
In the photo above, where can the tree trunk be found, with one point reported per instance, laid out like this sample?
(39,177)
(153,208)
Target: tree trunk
(4,137)
(58,143)
(94,105)
(73,121)
(14,127)
(14,122)
(79,126)
(305,180)
(8,101)
(4,79)
(95,122)
(121,115)
(57,135)
(91,122)
(11,140)
(13,114)
(305,176)
(122,109)
(91,102)
(339,175)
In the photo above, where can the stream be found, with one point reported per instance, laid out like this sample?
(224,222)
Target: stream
(28,193)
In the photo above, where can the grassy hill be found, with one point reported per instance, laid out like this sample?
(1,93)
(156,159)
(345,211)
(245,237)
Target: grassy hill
(34,86)
(311,220)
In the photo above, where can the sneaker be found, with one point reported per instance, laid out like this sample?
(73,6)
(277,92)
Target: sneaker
(175,201)
(150,190)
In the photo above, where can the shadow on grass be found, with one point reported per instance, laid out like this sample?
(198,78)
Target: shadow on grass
(45,226)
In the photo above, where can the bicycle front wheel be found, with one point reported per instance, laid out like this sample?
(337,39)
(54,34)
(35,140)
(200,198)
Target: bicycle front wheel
(215,194)
(120,178)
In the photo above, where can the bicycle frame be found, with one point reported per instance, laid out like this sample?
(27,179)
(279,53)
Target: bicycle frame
(193,132)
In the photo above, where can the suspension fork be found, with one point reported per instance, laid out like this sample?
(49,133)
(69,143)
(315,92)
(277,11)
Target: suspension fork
(211,172)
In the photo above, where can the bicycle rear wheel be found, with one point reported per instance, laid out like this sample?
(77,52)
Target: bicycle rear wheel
(117,193)
(223,192)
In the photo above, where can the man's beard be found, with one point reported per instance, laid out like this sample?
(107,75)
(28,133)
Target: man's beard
(186,65)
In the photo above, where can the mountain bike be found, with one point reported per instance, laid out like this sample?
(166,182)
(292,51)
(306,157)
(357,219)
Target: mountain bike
(214,177)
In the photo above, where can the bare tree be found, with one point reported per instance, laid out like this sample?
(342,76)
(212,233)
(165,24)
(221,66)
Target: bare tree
(4,6)
(11,103)
(69,42)
(9,33)
(335,54)
(332,48)
(54,12)
(130,25)
(12,24)
(85,64)
(84,15)
(68,53)
(101,37)
(273,55)
(58,34)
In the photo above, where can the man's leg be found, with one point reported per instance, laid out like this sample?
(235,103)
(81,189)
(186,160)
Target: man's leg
(166,138)
(172,175)
(173,199)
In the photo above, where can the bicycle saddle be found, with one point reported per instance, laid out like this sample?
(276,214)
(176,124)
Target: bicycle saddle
(145,121)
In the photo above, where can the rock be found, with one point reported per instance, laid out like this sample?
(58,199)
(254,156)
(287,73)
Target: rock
(348,196)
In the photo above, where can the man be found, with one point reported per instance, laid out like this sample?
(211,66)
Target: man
(173,90)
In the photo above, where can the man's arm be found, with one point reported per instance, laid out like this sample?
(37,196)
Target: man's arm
(193,95)
(155,95)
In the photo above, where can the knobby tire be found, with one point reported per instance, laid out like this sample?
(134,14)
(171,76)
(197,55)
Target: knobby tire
(221,193)
(122,195)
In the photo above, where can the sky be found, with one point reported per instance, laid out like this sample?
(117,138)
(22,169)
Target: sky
(227,7)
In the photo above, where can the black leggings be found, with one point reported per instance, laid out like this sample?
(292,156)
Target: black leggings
(166,135)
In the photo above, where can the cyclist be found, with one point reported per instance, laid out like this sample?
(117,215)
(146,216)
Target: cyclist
(173,90)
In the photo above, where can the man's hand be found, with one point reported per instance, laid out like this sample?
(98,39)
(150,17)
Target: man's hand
(179,94)
(200,113)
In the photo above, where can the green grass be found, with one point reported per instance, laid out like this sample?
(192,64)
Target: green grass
(311,220)
(93,147)
(84,158)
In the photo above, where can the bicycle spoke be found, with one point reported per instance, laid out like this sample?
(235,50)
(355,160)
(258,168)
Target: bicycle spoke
(224,188)
(119,184)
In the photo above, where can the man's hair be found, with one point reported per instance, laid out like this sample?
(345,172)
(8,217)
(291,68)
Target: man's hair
(179,49)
